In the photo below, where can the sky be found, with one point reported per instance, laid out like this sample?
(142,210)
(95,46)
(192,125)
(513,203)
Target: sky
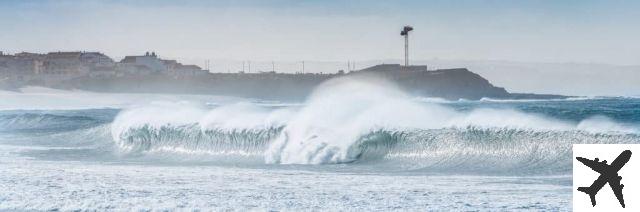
(570,31)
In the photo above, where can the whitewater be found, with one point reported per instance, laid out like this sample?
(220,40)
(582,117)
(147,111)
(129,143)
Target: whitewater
(352,145)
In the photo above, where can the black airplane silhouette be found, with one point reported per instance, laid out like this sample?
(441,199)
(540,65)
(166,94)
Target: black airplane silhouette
(608,174)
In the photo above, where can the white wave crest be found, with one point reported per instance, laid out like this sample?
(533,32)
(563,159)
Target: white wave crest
(166,115)
(327,127)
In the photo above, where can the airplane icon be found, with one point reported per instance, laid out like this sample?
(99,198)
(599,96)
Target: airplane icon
(608,174)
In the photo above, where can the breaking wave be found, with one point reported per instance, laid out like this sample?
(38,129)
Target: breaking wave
(192,139)
(368,123)
(476,150)
(470,149)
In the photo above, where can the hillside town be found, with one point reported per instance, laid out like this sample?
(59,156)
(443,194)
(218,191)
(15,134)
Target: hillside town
(55,67)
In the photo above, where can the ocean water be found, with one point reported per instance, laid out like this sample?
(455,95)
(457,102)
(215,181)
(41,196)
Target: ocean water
(350,146)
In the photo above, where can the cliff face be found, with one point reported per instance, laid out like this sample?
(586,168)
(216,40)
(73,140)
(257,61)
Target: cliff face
(444,83)
(447,83)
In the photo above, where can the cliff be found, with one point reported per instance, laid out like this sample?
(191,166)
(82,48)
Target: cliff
(444,83)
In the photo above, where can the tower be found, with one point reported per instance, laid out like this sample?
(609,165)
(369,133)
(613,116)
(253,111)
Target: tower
(405,32)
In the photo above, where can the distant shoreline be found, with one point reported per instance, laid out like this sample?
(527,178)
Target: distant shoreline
(148,73)
(449,84)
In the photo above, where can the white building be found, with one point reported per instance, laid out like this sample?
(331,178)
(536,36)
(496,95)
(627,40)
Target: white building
(147,62)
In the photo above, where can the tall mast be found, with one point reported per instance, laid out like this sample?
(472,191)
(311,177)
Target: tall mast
(405,32)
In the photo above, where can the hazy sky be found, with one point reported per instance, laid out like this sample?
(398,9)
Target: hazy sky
(581,31)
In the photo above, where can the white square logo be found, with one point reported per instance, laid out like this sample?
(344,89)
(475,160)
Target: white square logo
(605,177)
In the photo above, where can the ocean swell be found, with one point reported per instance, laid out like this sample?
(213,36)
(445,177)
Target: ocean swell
(32,121)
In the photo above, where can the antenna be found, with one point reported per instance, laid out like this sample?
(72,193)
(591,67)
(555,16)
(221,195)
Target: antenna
(405,32)
(273,66)
(303,66)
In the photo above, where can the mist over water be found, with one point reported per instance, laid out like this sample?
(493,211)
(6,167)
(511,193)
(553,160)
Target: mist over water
(366,123)
(40,98)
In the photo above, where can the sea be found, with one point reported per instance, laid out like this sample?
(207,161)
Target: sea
(350,146)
